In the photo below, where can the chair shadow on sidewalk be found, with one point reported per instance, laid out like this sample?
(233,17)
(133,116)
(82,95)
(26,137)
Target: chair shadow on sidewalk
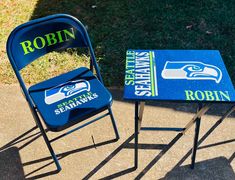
(10,164)
(60,156)
(9,155)
(128,145)
(30,136)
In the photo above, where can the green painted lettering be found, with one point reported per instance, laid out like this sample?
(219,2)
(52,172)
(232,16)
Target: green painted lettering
(130,82)
(59,36)
(216,95)
(41,40)
(199,93)
(189,95)
(64,103)
(224,95)
(68,33)
(51,40)
(26,45)
(59,105)
(130,53)
(209,95)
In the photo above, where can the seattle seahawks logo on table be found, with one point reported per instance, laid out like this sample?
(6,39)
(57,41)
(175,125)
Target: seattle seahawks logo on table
(66,90)
(191,71)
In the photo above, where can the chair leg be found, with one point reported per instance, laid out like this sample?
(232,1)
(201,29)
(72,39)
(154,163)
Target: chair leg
(39,124)
(50,148)
(114,123)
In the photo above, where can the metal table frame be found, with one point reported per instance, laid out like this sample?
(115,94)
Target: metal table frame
(201,110)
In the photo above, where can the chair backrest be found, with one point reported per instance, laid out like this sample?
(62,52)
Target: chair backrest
(35,38)
(38,37)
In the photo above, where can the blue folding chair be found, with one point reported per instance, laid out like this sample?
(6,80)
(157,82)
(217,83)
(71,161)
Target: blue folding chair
(67,99)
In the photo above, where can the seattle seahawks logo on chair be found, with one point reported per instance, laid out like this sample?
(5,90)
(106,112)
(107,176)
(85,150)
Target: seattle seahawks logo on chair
(66,90)
(191,70)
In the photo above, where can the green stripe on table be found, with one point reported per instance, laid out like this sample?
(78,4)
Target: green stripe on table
(152,73)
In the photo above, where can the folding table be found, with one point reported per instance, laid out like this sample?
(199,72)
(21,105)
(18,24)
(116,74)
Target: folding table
(189,76)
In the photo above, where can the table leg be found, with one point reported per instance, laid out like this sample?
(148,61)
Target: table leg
(195,144)
(199,114)
(140,114)
(136,134)
(139,109)
(228,113)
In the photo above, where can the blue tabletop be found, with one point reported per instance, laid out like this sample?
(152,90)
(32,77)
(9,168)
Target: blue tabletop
(177,75)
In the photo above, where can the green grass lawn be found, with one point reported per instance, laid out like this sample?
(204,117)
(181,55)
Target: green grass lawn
(115,26)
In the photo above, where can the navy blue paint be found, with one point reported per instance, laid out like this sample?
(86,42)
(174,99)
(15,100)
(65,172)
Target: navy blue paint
(79,127)
(174,89)
(61,121)
(40,27)
(161,129)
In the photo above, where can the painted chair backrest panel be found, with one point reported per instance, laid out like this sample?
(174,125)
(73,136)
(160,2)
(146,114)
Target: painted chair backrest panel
(38,37)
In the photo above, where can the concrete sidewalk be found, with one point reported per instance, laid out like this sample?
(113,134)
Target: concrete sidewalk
(91,153)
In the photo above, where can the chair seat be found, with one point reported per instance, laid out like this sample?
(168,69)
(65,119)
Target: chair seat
(69,98)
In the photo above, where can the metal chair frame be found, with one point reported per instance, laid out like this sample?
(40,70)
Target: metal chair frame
(32,106)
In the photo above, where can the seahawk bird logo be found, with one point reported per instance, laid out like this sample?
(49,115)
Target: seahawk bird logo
(191,70)
(66,90)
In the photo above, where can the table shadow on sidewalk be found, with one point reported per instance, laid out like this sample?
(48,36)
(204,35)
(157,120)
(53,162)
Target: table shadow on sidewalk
(128,145)
(201,140)
(164,149)
(216,168)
